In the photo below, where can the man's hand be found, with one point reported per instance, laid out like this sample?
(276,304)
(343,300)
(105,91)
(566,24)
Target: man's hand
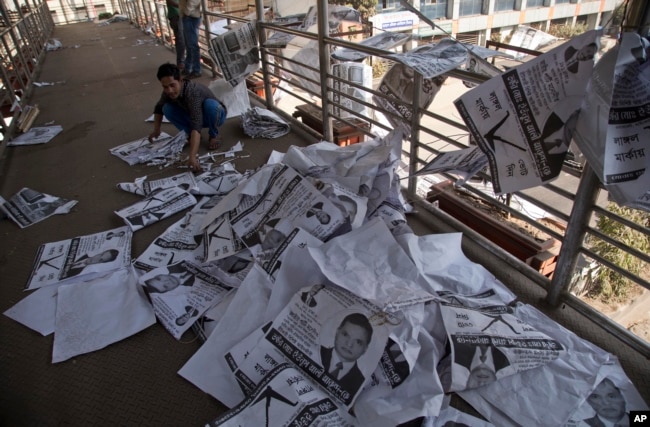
(194,164)
(153,135)
(193,161)
(157,121)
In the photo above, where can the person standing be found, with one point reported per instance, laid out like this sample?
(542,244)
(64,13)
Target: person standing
(190,106)
(174,18)
(190,21)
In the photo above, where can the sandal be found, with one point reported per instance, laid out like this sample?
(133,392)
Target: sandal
(214,144)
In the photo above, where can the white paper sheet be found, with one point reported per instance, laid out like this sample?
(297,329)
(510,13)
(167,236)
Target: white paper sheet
(37,310)
(93,315)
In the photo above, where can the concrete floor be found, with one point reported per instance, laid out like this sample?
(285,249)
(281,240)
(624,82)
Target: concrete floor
(110,89)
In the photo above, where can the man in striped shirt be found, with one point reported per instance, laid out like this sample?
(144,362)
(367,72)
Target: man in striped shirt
(190,106)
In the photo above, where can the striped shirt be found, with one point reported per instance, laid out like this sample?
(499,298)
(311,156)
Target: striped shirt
(191,100)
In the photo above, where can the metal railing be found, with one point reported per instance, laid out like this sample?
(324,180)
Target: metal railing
(288,75)
(291,78)
(23,38)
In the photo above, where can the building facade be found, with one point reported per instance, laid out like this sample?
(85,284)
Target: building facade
(476,21)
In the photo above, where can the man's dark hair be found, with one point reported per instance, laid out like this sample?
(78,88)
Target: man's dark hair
(168,70)
(359,320)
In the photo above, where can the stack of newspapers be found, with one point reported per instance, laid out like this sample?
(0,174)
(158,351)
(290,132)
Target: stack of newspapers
(262,123)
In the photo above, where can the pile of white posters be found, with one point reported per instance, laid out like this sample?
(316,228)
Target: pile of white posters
(143,187)
(276,197)
(262,123)
(157,205)
(502,353)
(162,149)
(181,293)
(286,399)
(181,241)
(318,304)
(218,181)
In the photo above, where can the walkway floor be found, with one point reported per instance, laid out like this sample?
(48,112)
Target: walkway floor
(110,89)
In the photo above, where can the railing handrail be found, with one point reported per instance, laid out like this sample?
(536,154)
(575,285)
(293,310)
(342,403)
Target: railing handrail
(583,201)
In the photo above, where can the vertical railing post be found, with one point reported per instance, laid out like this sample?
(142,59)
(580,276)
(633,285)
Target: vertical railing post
(4,13)
(324,67)
(19,43)
(6,79)
(415,132)
(133,11)
(145,12)
(65,14)
(39,23)
(119,7)
(583,204)
(157,7)
(261,35)
(136,6)
(122,9)
(206,25)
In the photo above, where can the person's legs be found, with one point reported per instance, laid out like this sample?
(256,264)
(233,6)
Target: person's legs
(191,32)
(178,117)
(214,115)
(179,40)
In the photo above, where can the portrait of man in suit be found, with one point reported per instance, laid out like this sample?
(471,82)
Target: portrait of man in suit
(176,276)
(308,297)
(350,342)
(317,211)
(189,313)
(609,404)
(84,261)
(573,56)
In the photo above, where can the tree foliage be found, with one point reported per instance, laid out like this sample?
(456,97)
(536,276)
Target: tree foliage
(365,7)
(567,31)
(610,285)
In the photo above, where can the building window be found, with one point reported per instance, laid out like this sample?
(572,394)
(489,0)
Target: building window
(562,1)
(434,9)
(501,5)
(535,3)
(470,7)
(538,25)
(388,5)
(562,21)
